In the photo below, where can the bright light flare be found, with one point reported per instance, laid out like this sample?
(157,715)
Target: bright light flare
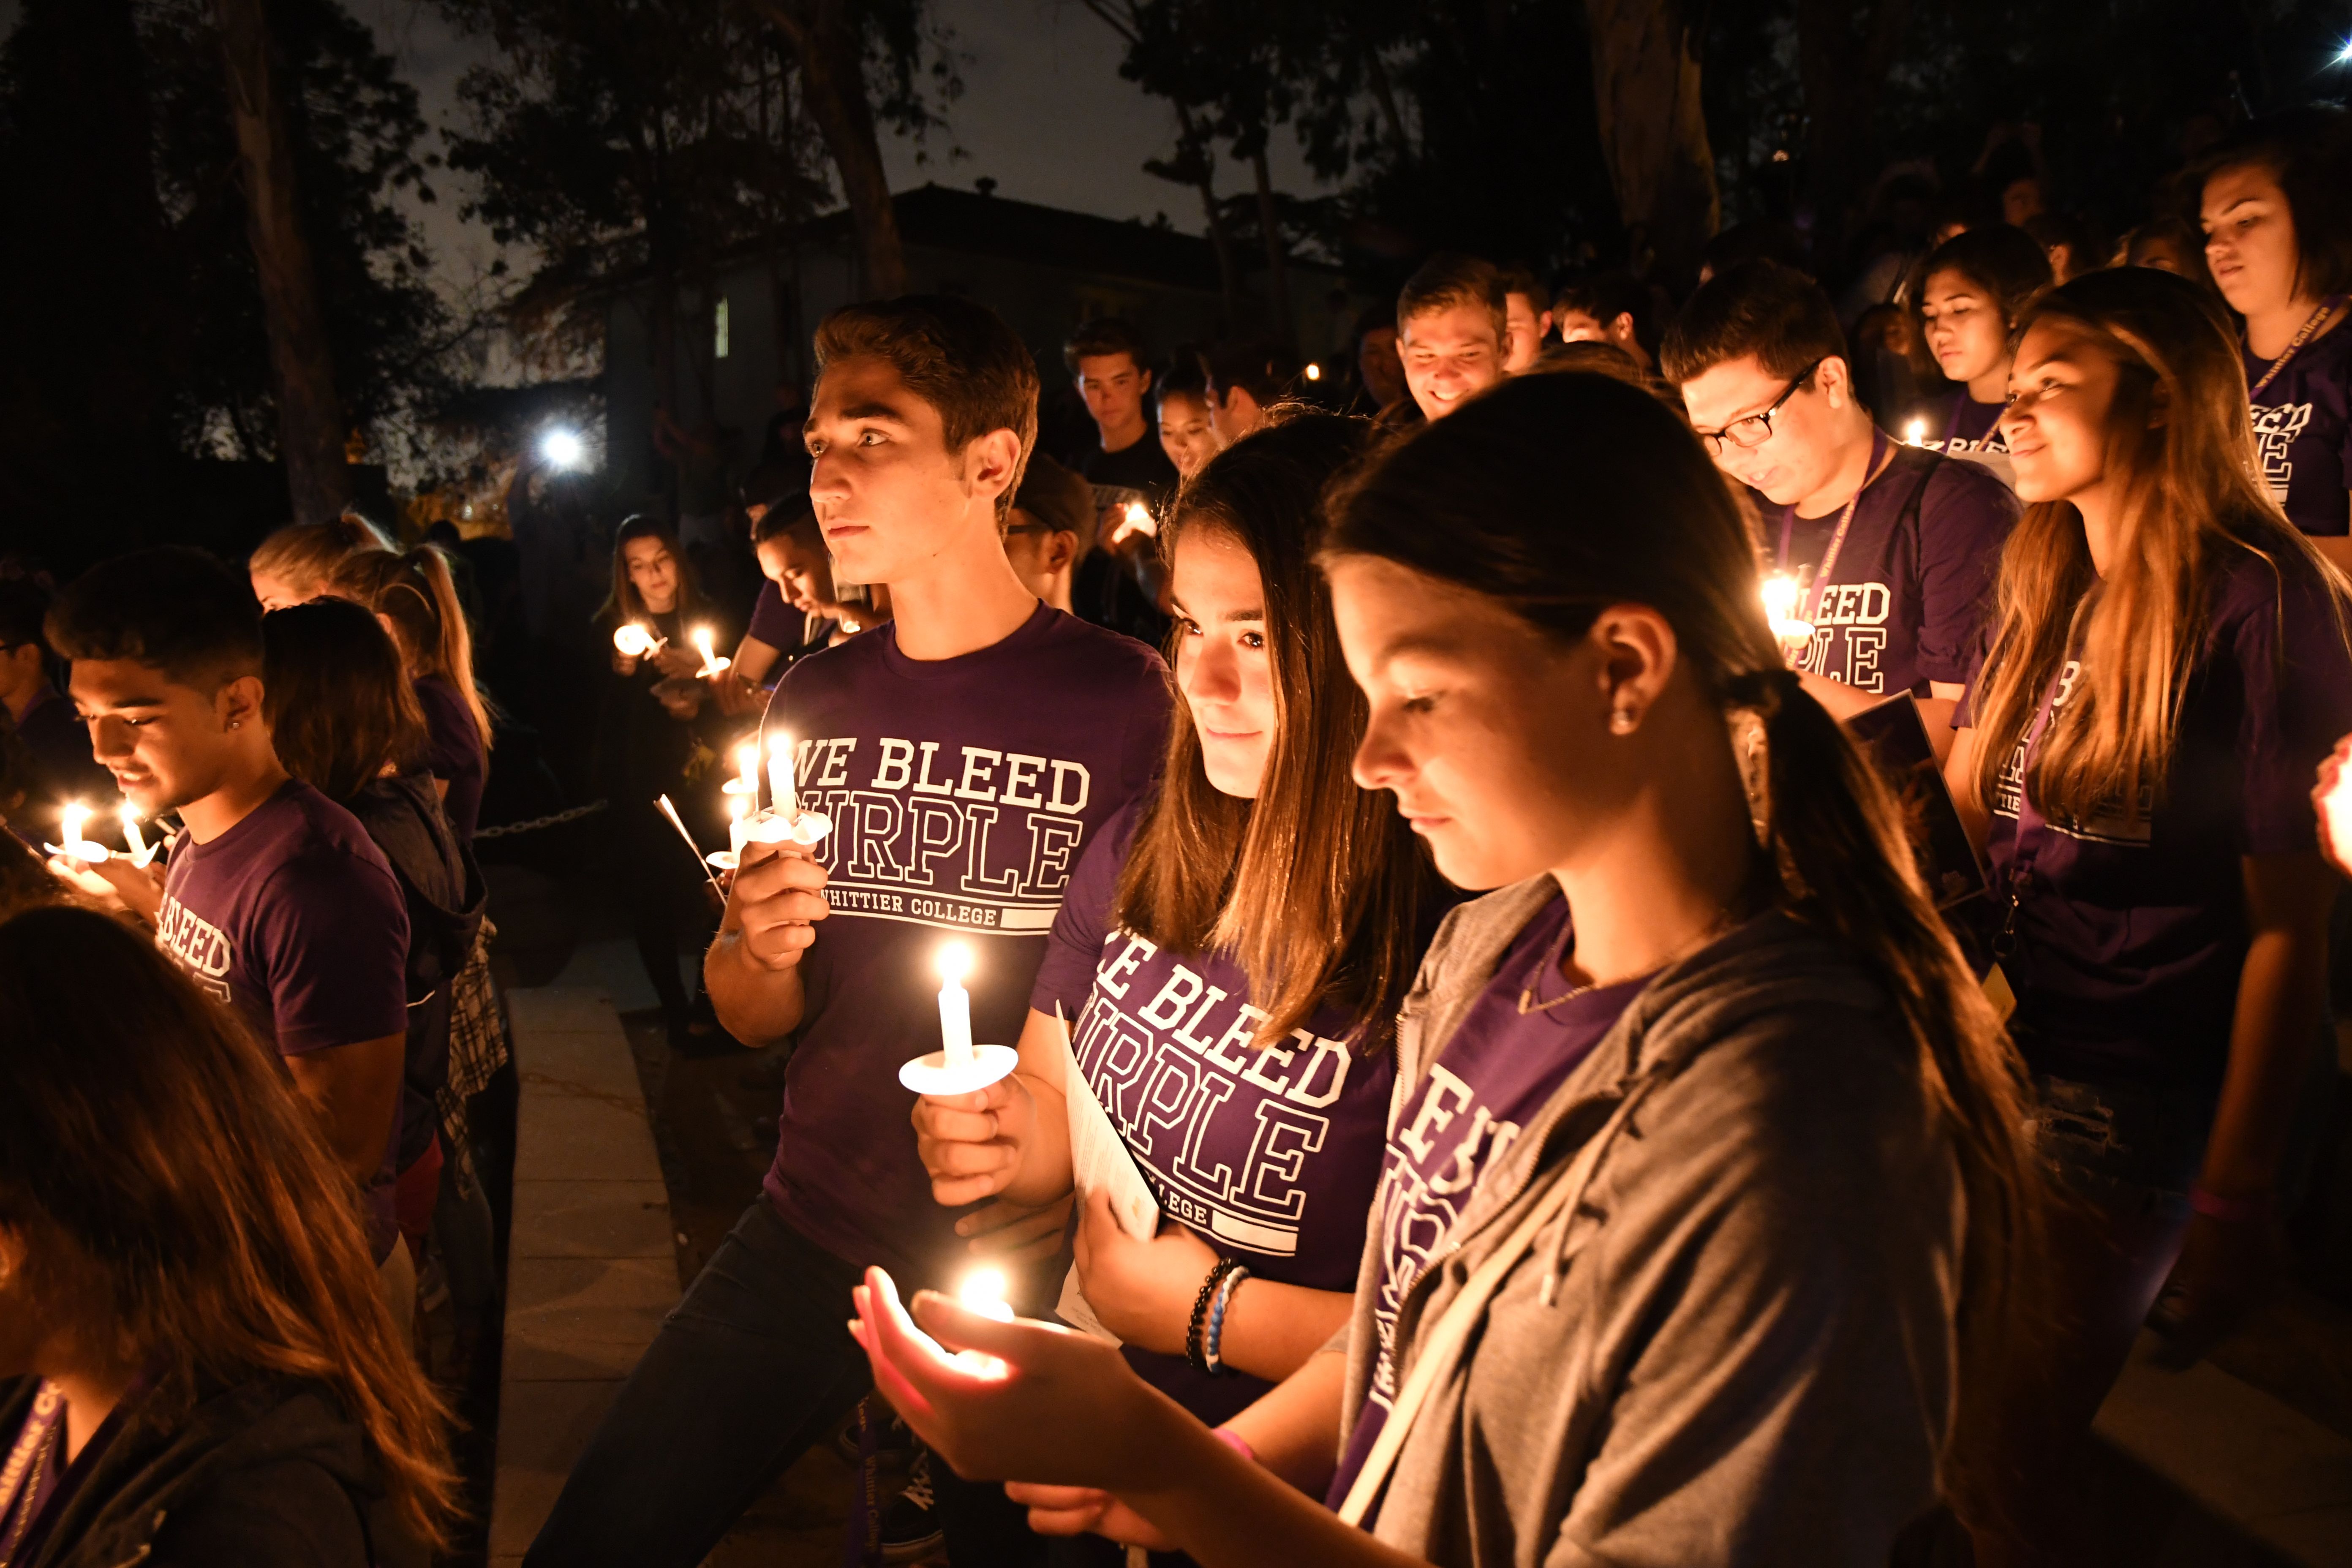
(711,663)
(1915,433)
(562,448)
(983,1291)
(953,962)
(1313,372)
(630,640)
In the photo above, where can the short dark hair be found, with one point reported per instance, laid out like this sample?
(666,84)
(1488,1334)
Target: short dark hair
(956,355)
(1764,307)
(1519,280)
(1605,296)
(1105,335)
(2308,150)
(24,606)
(173,606)
(1060,500)
(337,696)
(1449,278)
(1257,367)
(2002,260)
(1772,239)
(790,516)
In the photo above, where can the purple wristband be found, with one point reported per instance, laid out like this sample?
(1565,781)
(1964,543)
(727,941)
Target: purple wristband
(2229,1211)
(1235,1441)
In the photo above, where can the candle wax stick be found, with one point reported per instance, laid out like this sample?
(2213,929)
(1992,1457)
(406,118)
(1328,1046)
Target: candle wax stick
(780,796)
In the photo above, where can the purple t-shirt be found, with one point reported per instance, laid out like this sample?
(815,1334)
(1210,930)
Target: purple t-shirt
(1908,593)
(1970,427)
(1270,1157)
(2302,427)
(453,754)
(962,791)
(774,622)
(1501,1067)
(2131,935)
(294,919)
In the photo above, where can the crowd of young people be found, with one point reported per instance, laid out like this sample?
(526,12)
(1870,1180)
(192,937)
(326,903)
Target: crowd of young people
(1577,1125)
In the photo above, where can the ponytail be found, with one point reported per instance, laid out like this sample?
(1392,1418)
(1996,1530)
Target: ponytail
(1557,496)
(418,594)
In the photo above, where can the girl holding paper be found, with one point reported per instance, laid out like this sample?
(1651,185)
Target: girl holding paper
(1229,954)
(1706,1212)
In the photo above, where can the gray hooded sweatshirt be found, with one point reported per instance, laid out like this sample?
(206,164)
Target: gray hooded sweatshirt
(1739,1347)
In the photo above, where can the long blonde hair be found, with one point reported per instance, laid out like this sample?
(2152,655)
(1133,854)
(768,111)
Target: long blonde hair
(304,555)
(159,1140)
(2192,502)
(415,593)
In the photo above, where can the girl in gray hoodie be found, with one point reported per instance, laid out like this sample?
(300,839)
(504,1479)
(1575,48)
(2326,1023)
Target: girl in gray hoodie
(1705,1191)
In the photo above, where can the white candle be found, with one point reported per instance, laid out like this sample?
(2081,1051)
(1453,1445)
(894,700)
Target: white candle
(70,821)
(780,779)
(711,663)
(954,963)
(630,640)
(140,853)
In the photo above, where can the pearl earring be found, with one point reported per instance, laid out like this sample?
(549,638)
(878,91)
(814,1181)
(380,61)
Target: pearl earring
(1621,722)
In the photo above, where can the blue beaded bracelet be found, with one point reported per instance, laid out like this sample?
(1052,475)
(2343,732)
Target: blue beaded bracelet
(1212,1341)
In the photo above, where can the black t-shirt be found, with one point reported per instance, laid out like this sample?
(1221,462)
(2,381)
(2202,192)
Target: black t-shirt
(1143,466)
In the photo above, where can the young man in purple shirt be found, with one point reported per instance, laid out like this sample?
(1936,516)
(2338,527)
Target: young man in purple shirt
(966,751)
(275,902)
(1894,547)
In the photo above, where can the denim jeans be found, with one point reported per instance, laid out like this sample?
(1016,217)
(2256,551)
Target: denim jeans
(754,1367)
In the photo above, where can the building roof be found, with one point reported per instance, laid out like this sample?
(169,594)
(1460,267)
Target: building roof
(940,217)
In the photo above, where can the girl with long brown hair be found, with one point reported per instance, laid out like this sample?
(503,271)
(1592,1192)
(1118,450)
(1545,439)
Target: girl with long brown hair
(195,1363)
(1256,920)
(2166,666)
(653,723)
(414,595)
(1704,1201)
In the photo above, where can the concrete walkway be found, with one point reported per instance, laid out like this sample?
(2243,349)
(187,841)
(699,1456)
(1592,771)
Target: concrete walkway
(592,1266)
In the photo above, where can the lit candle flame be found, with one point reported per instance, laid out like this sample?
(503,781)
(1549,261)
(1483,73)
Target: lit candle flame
(746,781)
(630,640)
(142,852)
(1138,519)
(711,663)
(70,818)
(983,1291)
(1313,372)
(1915,433)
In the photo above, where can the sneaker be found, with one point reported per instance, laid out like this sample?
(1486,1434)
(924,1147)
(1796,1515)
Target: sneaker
(894,1446)
(910,1521)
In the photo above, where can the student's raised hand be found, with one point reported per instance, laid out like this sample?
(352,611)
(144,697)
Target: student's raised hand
(2331,799)
(972,1145)
(773,902)
(1142,1290)
(1081,1510)
(1034,1401)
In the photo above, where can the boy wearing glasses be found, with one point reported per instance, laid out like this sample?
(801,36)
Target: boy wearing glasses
(1894,547)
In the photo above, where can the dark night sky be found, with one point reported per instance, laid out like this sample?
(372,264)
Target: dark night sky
(1043,112)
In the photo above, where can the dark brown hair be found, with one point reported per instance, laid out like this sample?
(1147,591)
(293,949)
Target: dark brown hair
(172,607)
(415,592)
(158,1140)
(1556,495)
(1101,337)
(337,696)
(1447,279)
(1768,309)
(2009,264)
(1315,887)
(957,356)
(624,603)
(2308,150)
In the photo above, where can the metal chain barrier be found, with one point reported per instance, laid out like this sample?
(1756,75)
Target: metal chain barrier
(506,829)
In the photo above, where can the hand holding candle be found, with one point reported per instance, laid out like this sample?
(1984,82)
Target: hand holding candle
(957,1066)
(142,852)
(630,640)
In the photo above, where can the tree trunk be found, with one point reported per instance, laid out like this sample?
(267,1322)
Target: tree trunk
(1193,146)
(311,429)
(1646,87)
(1277,276)
(1843,59)
(826,44)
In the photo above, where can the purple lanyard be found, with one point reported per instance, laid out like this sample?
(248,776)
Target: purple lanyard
(33,1451)
(1878,446)
(2032,827)
(2303,334)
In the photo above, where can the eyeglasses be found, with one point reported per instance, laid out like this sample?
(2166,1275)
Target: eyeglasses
(1756,428)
